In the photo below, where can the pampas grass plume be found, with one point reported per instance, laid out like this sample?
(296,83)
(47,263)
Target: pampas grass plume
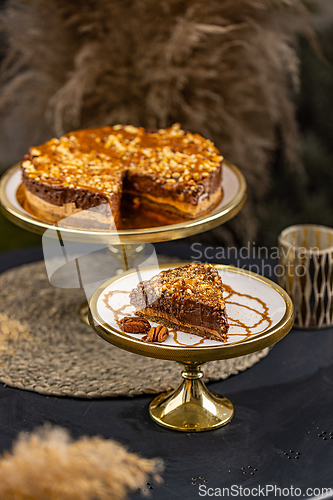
(226,69)
(48,464)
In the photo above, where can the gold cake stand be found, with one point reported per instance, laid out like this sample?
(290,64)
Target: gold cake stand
(192,407)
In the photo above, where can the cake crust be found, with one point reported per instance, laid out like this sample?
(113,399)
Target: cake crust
(187,298)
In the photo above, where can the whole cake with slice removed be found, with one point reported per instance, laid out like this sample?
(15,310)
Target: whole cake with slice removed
(188,298)
(168,171)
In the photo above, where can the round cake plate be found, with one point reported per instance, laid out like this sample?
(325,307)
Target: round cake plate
(234,197)
(264,310)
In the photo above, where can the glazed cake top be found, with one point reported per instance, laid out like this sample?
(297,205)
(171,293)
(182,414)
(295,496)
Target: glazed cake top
(97,159)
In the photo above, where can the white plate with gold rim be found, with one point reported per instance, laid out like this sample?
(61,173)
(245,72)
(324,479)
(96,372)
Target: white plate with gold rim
(234,197)
(257,309)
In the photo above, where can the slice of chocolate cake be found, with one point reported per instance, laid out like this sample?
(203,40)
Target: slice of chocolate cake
(187,298)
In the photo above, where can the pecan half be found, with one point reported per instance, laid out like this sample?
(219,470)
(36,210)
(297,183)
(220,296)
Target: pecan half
(133,324)
(157,334)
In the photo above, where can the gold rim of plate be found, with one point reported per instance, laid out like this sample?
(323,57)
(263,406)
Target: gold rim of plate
(193,354)
(148,235)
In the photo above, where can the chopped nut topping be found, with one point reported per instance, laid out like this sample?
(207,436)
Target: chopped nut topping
(131,130)
(35,152)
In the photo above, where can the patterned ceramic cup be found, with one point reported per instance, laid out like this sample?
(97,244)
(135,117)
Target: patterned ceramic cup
(305,271)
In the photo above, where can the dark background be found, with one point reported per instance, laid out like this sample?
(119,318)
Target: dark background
(292,197)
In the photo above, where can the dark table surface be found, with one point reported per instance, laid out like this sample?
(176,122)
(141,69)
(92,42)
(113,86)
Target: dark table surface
(280,437)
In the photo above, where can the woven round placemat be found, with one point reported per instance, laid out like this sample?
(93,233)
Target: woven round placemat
(44,347)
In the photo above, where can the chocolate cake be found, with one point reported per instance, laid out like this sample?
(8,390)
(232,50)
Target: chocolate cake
(168,170)
(187,298)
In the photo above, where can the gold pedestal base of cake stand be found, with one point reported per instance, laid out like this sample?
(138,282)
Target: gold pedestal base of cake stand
(191,407)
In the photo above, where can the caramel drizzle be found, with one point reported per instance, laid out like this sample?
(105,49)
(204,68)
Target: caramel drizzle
(236,322)
(248,329)
(93,142)
(118,311)
(175,338)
